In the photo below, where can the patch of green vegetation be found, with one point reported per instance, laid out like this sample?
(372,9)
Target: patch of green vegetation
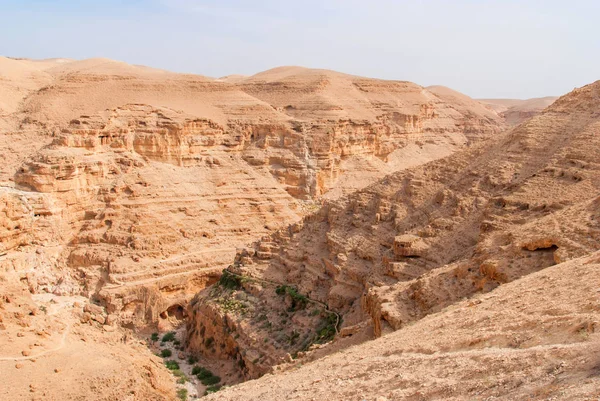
(176,342)
(206,376)
(154,337)
(326,331)
(231,304)
(182,394)
(192,360)
(230,281)
(299,301)
(315,312)
(170,336)
(202,373)
(211,380)
(171,365)
(165,353)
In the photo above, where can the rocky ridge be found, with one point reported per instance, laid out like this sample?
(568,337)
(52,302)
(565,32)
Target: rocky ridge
(516,111)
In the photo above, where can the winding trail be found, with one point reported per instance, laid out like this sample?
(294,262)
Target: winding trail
(63,340)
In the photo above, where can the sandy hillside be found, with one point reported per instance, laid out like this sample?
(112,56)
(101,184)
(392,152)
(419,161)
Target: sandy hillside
(515,111)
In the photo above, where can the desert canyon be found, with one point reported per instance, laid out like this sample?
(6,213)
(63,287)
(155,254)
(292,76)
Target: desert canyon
(297,234)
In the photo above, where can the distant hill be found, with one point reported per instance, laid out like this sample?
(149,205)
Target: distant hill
(515,111)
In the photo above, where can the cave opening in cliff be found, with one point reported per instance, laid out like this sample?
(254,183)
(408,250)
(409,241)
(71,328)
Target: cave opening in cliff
(174,312)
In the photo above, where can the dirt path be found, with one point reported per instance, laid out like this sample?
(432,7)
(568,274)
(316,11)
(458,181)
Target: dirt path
(63,341)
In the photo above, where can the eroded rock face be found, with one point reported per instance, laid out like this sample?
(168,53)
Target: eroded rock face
(145,200)
(422,239)
(154,200)
(257,323)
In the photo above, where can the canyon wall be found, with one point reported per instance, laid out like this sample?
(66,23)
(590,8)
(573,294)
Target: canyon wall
(422,239)
(157,178)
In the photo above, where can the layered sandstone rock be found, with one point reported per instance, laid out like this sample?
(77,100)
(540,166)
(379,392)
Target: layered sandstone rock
(157,177)
(315,130)
(155,203)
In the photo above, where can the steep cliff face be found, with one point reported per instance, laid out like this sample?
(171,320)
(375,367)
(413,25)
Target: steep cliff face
(358,129)
(422,239)
(155,205)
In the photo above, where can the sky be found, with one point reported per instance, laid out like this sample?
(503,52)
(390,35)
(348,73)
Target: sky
(483,48)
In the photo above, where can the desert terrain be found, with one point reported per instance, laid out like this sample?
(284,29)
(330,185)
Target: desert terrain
(515,111)
(294,234)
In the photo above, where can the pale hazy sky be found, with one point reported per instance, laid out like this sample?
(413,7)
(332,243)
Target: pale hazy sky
(484,48)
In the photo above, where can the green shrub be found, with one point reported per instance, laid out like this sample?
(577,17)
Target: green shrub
(170,336)
(204,374)
(299,301)
(230,281)
(196,370)
(176,342)
(326,331)
(211,380)
(171,365)
(165,353)
(192,360)
(182,394)
(154,337)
